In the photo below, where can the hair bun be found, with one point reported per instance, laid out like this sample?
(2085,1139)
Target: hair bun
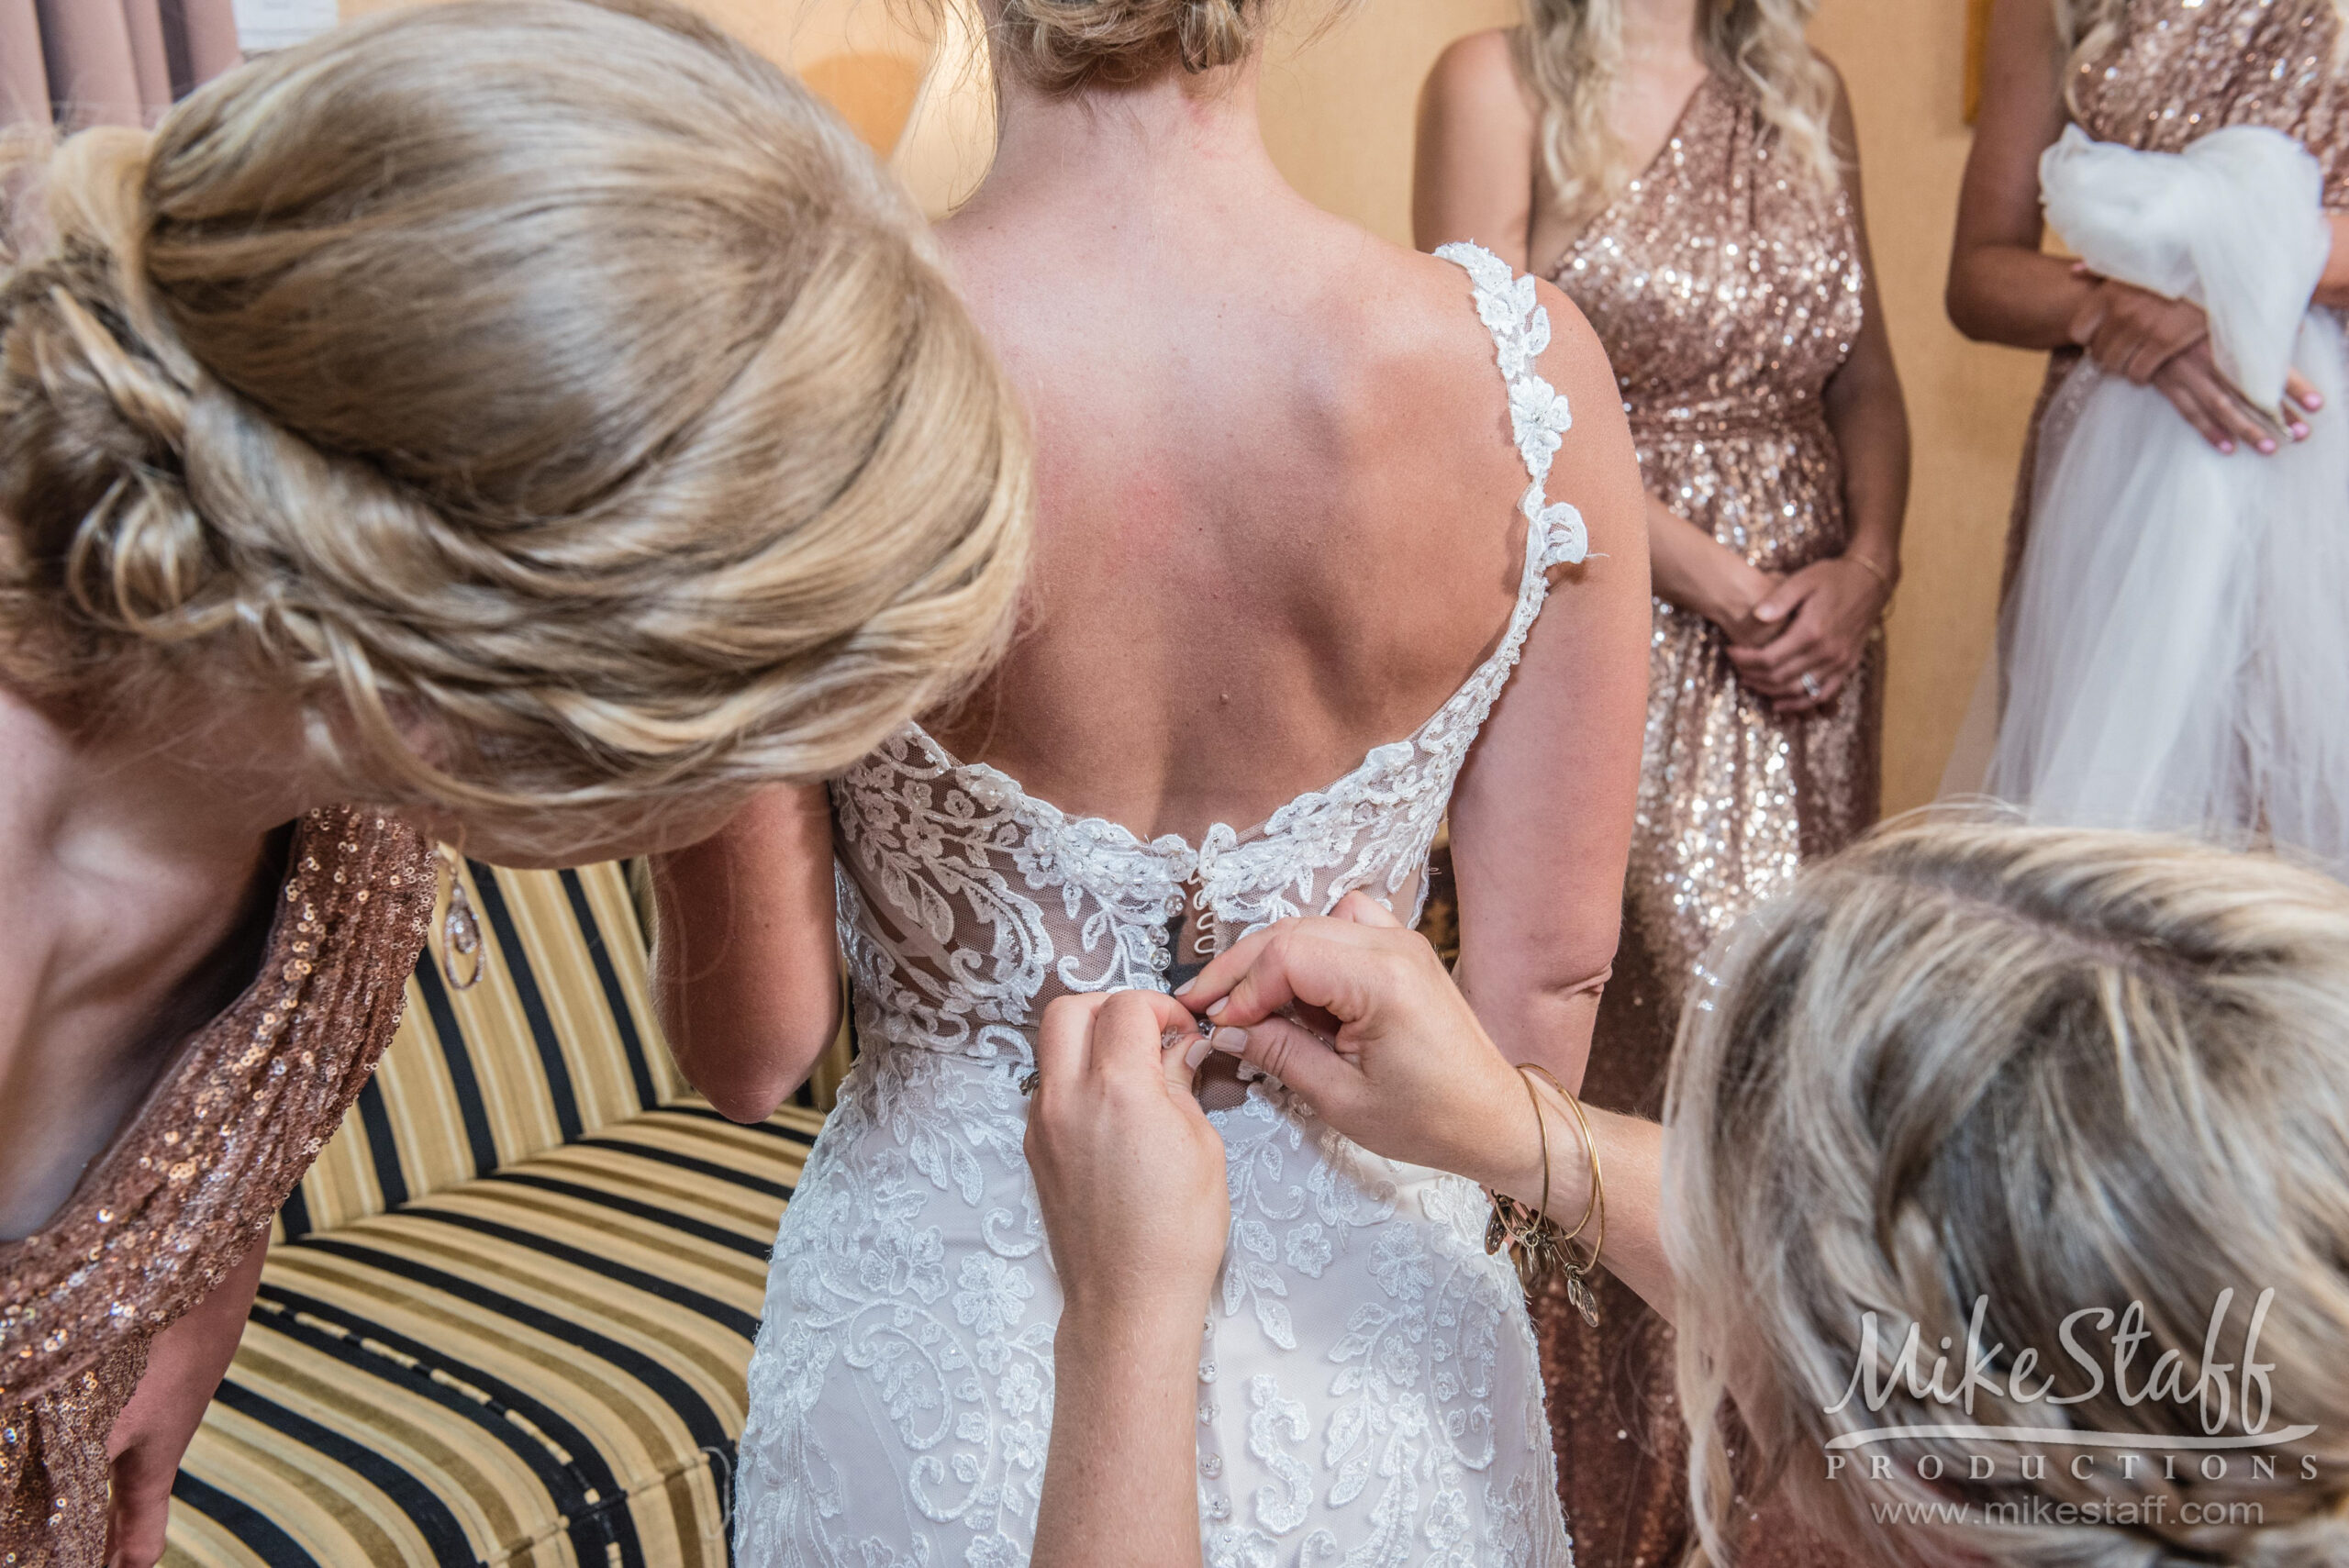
(1065,46)
(95,405)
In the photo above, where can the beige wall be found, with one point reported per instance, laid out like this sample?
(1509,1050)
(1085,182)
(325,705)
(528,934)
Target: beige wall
(1967,404)
(1340,91)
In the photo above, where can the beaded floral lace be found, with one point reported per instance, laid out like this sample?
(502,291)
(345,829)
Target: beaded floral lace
(1368,1389)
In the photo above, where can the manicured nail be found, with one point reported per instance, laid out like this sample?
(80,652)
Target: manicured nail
(1230,1041)
(2226,449)
(1196,1053)
(1185,989)
(2266,445)
(2312,402)
(1217,1006)
(2299,432)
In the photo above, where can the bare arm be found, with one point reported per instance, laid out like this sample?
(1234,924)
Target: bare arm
(1829,610)
(745,963)
(1542,819)
(1130,1178)
(1411,1075)
(185,1365)
(1472,176)
(2002,288)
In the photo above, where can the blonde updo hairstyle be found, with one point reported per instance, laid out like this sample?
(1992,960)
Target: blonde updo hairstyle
(551,398)
(1570,53)
(2056,1072)
(1071,46)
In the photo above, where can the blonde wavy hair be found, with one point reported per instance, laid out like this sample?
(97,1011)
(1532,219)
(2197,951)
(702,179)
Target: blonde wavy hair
(1073,45)
(552,399)
(2051,1072)
(1569,52)
(2088,30)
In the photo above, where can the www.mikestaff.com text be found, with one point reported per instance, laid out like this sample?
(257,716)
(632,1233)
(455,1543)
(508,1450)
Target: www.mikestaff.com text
(2154,1509)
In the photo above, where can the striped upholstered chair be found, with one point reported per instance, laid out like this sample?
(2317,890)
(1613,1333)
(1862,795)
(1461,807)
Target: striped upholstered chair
(507,1318)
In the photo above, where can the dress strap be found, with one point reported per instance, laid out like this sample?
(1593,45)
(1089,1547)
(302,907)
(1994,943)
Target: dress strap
(1538,416)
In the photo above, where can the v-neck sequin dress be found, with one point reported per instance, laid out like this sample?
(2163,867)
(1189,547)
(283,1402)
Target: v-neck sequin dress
(1726,286)
(195,1178)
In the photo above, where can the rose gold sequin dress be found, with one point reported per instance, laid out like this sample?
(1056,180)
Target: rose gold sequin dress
(196,1179)
(2181,69)
(1727,288)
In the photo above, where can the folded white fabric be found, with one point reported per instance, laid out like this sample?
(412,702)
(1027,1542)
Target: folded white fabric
(2178,639)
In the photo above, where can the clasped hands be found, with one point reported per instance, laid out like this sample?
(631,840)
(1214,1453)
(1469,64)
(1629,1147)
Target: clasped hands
(2165,343)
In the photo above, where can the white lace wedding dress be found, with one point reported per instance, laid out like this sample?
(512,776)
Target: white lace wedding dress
(1369,1392)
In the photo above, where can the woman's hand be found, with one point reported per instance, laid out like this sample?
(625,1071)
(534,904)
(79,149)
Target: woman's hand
(1408,1072)
(2165,344)
(1822,616)
(1695,571)
(1129,1172)
(2133,332)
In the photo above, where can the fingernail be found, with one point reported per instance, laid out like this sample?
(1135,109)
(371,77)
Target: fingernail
(2265,445)
(1217,1006)
(2226,449)
(1185,989)
(2313,402)
(2299,432)
(1196,1053)
(1230,1041)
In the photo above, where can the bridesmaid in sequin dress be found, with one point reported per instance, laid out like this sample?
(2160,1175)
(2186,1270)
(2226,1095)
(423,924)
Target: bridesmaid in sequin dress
(1727,272)
(471,538)
(2154,76)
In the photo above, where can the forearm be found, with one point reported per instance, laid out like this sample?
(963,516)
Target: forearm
(2024,298)
(1121,1478)
(1631,1168)
(1870,423)
(1693,570)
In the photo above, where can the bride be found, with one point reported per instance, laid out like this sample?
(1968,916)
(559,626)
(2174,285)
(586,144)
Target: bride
(1351,537)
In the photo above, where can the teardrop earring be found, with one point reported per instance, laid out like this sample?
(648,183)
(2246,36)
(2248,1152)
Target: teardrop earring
(459,931)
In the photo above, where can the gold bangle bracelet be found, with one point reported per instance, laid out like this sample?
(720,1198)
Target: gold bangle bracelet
(1590,1199)
(1879,573)
(1578,1270)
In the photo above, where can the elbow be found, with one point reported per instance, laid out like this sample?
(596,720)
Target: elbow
(1968,311)
(747,1078)
(748,1101)
(740,1085)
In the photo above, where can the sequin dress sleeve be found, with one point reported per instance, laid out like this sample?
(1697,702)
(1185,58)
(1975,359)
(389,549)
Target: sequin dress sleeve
(194,1180)
(1727,286)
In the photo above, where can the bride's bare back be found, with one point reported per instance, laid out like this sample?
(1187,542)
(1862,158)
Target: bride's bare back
(1276,490)
(1277,526)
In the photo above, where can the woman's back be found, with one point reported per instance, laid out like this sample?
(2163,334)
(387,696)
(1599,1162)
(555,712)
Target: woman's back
(1277,492)
(1302,501)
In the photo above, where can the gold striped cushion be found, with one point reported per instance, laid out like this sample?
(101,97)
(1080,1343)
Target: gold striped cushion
(544,1367)
(558,1039)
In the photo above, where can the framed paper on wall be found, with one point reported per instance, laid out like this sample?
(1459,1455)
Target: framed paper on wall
(264,25)
(1977,43)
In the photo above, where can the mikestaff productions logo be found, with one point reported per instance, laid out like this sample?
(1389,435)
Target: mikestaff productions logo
(2220,1429)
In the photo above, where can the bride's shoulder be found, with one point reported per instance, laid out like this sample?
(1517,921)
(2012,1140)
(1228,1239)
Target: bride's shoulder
(1466,314)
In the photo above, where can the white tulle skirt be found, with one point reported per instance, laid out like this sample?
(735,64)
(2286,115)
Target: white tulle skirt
(2175,648)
